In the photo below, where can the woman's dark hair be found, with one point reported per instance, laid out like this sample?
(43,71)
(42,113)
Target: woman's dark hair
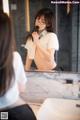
(6,57)
(48,16)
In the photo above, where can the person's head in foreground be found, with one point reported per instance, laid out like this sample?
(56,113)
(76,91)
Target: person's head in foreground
(12,76)
(6,43)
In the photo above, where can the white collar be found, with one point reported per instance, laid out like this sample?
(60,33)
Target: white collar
(43,33)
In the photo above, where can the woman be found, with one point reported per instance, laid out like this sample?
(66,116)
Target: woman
(44,44)
(12,76)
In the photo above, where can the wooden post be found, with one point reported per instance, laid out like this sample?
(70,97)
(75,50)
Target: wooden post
(27,12)
(68,7)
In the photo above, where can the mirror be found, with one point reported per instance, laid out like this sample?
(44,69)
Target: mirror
(67,28)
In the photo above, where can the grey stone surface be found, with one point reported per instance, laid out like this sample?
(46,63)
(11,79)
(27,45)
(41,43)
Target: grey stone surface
(42,85)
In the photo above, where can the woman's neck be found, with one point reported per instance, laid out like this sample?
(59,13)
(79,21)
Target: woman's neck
(40,31)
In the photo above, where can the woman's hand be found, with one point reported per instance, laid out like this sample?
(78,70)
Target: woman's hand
(35,36)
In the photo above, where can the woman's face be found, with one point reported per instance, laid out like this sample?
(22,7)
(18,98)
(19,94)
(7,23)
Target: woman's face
(40,21)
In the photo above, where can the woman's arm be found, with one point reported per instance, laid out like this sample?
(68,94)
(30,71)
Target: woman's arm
(20,75)
(28,63)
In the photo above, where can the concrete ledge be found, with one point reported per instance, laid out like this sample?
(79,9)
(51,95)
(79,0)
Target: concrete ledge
(42,85)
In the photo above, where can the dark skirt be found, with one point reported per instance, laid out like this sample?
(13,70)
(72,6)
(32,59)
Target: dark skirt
(22,112)
(58,68)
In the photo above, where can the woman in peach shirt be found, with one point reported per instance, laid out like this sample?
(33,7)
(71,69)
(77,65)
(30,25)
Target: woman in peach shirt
(44,44)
